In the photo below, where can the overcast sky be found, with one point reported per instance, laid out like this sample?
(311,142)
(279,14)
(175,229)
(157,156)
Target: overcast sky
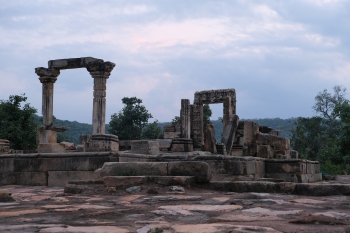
(277,54)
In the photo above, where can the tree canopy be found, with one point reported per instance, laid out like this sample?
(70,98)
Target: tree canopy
(17,122)
(131,123)
(326,136)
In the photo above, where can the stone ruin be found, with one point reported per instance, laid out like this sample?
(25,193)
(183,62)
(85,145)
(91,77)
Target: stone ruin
(100,72)
(247,152)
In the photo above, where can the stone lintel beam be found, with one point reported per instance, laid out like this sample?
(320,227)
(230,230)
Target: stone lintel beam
(72,63)
(100,71)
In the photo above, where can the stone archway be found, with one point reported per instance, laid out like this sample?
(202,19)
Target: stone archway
(100,72)
(191,116)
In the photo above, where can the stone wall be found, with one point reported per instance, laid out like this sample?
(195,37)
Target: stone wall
(50,169)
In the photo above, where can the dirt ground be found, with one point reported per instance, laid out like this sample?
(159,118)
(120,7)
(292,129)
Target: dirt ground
(49,209)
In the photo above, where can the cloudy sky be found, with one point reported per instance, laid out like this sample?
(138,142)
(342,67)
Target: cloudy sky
(277,54)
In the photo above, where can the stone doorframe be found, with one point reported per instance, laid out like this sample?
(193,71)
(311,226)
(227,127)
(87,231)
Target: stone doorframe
(225,96)
(98,69)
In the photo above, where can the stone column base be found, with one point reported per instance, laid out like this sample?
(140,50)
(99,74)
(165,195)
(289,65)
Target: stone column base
(102,142)
(50,148)
(221,149)
(4,146)
(182,145)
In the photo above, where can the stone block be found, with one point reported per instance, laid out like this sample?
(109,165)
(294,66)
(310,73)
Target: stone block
(6,164)
(250,167)
(182,145)
(164,144)
(103,142)
(23,178)
(71,63)
(235,167)
(296,178)
(134,169)
(265,151)
(200,170)
(250,149)
(260,167)
(312,167)
(145,147)
(35,164)
(251,129)
(171,135)
(274,166)
(68,145)
(61,178)
(118,181)
(50,148)
(278,143)
(294,154)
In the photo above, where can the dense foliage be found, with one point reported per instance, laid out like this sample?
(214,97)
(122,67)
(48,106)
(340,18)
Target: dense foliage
(325,137)
(17,122)
(131,123)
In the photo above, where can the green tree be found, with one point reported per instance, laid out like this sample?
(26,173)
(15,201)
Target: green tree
(17,123)
(152,131)
(130,121)
(206,115)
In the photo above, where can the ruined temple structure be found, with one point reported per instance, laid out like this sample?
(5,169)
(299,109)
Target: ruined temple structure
(100,72)
(247,152)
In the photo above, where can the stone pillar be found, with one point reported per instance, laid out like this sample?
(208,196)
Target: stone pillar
(227,110)
(47,77)
(185,117)
(197,126)
(100,71)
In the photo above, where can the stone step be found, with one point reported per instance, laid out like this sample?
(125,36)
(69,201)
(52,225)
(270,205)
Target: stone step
(117,181)
(200,170)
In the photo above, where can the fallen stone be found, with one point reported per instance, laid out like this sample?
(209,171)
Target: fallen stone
(117,181)
(68,145)
(176,188)
(134,189)
(5,196)
(210,141)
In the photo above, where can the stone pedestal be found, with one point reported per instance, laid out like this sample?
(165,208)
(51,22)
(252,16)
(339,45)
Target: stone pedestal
(103,142)
(4,146)
(182,145)
(47,139)
(100,71)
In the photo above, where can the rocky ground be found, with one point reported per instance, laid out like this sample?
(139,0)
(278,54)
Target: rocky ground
(157,209)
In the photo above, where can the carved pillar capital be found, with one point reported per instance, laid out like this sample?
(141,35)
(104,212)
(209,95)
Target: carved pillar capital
(99,69)
(47,75)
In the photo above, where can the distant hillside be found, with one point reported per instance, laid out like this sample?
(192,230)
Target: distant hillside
(76,128)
